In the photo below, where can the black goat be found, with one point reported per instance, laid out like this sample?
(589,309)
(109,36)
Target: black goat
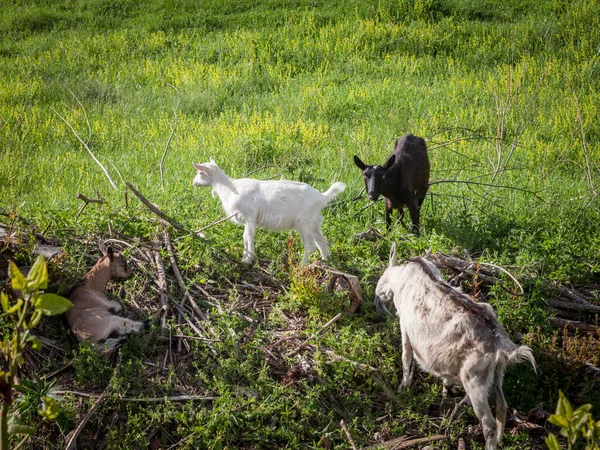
(403,180)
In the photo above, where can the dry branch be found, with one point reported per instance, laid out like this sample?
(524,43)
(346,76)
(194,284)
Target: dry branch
(573,326)
(479,183)
(112,183)
(348,435)
(162,286)
(407,441)
(86,201)
(162,160)
(323,328)
(179,278)
(155,209)
(590,309)
(569,294)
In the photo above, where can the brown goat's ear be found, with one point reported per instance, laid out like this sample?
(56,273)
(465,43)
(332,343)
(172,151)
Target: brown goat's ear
(393,257)
(200,168)
(390,162)
(361,165)
(110,253)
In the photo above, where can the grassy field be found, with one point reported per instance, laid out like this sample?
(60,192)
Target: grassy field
(505,92)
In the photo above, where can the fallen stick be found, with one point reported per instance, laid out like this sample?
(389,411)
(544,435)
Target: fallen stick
(579,307)
(177,273)
(162,286)
(177,398)
(405,442)
(323,328)
(162,160)
(86,201)
(152,207)
(569,294)
(71,442)
(112,183)
(573,326)
(348,435)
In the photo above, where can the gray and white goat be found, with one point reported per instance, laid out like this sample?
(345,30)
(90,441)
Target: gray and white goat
(451,336)
(93,317)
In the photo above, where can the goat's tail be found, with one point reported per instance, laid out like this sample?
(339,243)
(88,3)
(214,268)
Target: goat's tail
(335,190)
(520,354)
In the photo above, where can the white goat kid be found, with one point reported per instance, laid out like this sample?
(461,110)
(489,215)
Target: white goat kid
(452,337)
(275,205)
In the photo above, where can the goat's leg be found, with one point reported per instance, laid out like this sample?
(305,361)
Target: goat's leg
(306,236)
(321,243)
(414,211)
(501,406)
(249,232)
(114,307)
(477,391)
(407,360)
(388,214)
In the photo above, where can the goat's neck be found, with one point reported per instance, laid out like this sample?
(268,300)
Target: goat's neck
(223,186)
(98,276)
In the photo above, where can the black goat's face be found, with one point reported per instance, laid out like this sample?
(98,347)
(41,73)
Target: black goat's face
(373,176)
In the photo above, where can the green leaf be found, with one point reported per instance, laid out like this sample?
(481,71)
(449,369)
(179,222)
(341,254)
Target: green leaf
(50,409)
(564,408)
(15,428)
(4,300)
(18,280)
(38,275)
(559,421)
(52,304)
(580,418)
(36,344)
(552,442)
(16,307)
(35,319)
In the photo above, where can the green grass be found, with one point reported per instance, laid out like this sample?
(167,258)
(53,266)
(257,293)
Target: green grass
(295,89)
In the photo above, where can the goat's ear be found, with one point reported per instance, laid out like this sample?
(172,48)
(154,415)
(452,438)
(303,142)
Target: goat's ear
(390,162)
(110,253)
(361,165)
(393,257)
(200,168)
(212,160)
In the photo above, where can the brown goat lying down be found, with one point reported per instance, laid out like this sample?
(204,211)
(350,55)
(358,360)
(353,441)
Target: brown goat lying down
(451,336)
(93,317)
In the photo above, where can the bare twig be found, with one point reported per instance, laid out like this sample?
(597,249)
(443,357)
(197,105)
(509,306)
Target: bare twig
(177,398)
(152,207)
(112,183)
(407,441)
(177,273)
(216,222)
(590,309)
(162,286)
(73,439)
(507,273)
(348,435)
(87,200)
(573,326)
(162,160)
(71,442)
(323,328)
(488,184)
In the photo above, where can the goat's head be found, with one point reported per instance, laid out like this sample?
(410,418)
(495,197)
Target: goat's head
(374,175)
(205,172)
(384,295)
(117,264)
